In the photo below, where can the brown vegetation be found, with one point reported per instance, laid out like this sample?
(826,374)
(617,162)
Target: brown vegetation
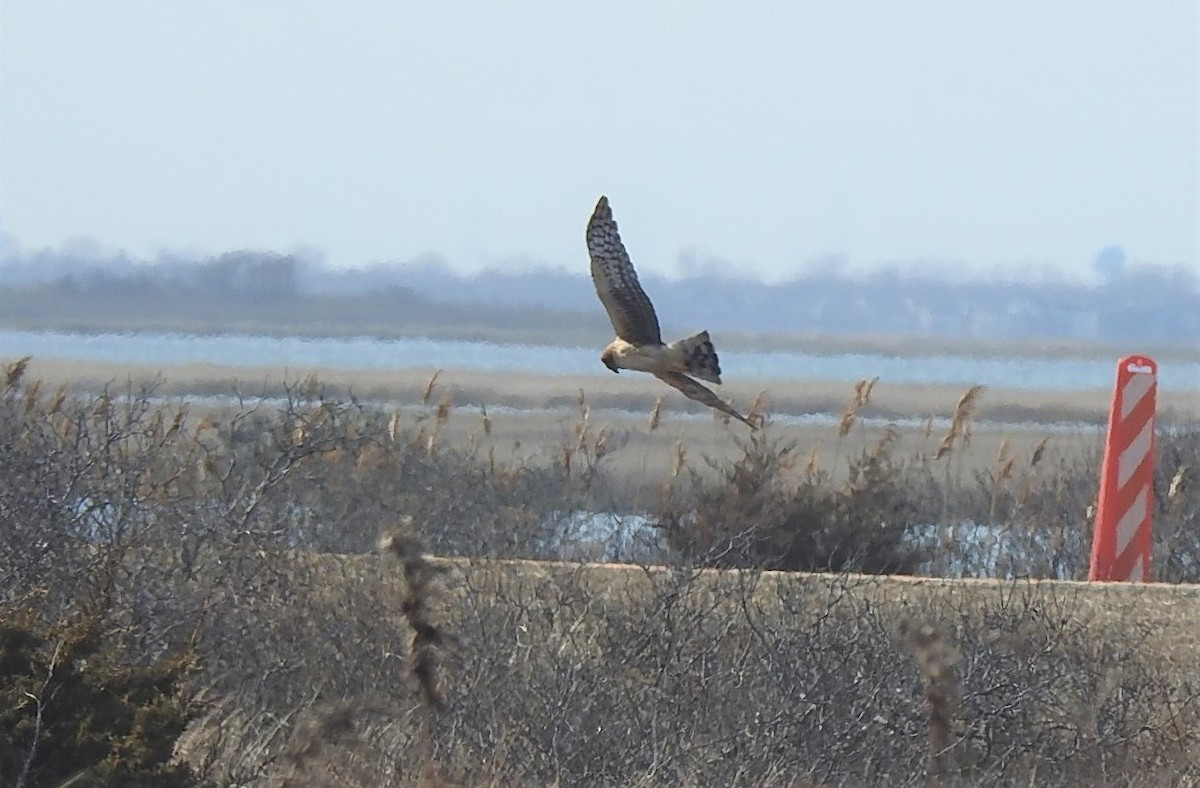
(224,566)
(894,401)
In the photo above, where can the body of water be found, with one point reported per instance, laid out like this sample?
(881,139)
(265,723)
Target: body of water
(166,349)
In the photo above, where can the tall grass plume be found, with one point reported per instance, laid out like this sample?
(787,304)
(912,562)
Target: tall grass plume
(960,424)
(859,400)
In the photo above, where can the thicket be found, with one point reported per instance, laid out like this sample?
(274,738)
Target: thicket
(211,573)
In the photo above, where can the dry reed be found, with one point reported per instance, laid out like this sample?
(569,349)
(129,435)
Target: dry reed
(1005,462)
(428,393)
(859,400)
(1179,482)
(960,425)
(757,414)
(656,414)
(1038,451)
(813,464)
(678,459)
(584,410)
(60,397)
(444,407)
(15,371)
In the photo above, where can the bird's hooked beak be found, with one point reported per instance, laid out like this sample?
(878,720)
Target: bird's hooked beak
(610,363)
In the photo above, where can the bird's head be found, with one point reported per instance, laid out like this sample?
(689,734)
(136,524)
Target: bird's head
(610,361)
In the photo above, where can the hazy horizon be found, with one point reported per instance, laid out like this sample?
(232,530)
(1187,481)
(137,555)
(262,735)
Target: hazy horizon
(247,291)
(997,141)
(82,255)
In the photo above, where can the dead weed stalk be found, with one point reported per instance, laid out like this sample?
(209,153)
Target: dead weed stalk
(429,640)
(936,658)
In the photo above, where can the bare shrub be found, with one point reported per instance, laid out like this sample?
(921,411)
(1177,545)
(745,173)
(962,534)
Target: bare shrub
(246,537)
(1176,524)
(762,513)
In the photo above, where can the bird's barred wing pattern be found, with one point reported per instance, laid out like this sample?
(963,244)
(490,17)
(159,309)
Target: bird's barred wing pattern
(616,282)
(700,393)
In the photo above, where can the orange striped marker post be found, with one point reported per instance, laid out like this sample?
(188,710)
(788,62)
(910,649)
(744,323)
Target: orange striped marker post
(1121,539)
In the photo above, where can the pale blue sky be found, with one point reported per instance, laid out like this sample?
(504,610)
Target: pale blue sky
(989,136)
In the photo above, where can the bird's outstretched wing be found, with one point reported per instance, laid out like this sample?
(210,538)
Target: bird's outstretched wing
(700,393)
(628,306)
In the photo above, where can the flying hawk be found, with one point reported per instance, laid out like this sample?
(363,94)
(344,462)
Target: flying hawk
(639,344)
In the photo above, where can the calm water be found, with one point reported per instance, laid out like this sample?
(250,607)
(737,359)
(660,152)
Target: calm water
(371,353)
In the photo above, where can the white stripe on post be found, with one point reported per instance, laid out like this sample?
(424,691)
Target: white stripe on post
(1121,541)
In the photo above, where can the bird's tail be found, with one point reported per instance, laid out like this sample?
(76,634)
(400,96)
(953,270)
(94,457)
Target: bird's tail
(697,357)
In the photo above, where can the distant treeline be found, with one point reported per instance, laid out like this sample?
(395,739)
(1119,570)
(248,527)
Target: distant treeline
(254,292)
(262,291)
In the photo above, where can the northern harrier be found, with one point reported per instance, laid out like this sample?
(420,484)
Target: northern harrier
(639,344)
